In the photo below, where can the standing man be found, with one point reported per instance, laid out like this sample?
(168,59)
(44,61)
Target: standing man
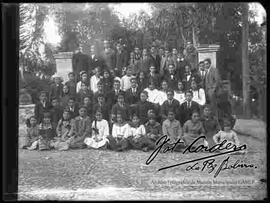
(108,55)
(121,60)
(146,62)
(155,58)
(164,63)
(190,53)
(212,81)
(201,74)
(80,62)
(94,61)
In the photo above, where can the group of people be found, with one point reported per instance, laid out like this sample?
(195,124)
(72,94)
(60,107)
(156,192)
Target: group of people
(118,103)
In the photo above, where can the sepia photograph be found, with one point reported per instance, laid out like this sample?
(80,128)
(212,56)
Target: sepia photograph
(142,101)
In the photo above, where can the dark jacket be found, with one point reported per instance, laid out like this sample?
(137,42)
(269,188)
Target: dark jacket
(185,112)
(40,109)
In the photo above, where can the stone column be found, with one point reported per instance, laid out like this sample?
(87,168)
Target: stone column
(208,51)
(63,64)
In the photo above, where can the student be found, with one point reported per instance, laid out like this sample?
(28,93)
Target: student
(210,125)
(113,95)
(192,129)
(80,129)
(100,90)
(198,93)
(71,83)
(84,79)
(187,77)
(121,107)
(65,96)
(153,93)
(170,104)
(42,106)
(56,88)
(63,131)
(73,107)
(133,64)
(137,138)
(142,81)
(107,81)
(179,94)
(188,107)
(132,95)
(171,77)
(153,131)
(95,79)
(226,134)
(56,112)
(89,106)
(126,80)
(172,127)
(120,132)
(145,62)
(46,132)
(163,92)
(100,132)
(102,105)
(32,133)
(153,75)
(83,92)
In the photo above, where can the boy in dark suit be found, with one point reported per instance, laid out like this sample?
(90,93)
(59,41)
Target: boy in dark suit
(132,95)
(42,106)
(169,104)
(71,83)
(102,106)
(56,112)
(113,95)
(73,107)
(188,107)
(171,77)
(153,75)
(56,88)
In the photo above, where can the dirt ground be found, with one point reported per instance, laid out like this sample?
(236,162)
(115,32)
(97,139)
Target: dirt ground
(105,175)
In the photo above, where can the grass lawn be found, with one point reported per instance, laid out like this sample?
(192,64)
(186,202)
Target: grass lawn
(106,175)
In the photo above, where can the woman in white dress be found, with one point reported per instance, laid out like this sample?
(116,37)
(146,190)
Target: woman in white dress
(198,93)
(179,94)
(100,132)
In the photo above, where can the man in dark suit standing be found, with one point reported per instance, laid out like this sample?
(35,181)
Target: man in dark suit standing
(80,62)
(113,95)
(188,107)
(108,56)
(212,82)
(121,60)
(132,95)
(201,74)
(94,61)
(155,58)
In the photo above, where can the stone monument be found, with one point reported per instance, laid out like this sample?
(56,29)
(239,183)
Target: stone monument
(208,51)
(63,64)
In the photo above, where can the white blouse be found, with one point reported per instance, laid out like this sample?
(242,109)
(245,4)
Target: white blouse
(162,97)
(123,131)
(199,96)
(103,129)
(153,95)
(231,137)
(180,97)
(93,83)
(125,82)
(136,132)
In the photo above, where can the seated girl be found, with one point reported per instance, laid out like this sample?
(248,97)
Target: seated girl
(100,132)
(80,129)
(137,137)
(120,132)
(153,93)
(46,132)
(32,132)
(179,94)
(193,129)
(198,93)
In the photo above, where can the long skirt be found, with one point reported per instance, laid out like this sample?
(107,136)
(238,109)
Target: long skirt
(92,143)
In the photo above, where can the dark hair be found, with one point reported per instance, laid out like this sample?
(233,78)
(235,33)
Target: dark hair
(71,98)
(226,123)
(82,107)
(171,64)
(27,122)
(135,115)
(54,98)
(189,91)
(170,90)
(144,92)
(170,111)
(195,111)
(115,80)
(208,60)
(207,106)
(100,82)
(46,114)
(201,62)
(71,73)
(100,95)
(120,95)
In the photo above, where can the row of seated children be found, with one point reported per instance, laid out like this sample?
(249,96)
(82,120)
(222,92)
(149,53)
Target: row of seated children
(80,132)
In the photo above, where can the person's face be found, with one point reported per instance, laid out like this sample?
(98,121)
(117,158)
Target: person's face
(118,47)
(33,121)
(99,116)
(82,112)
(227,128)
(55,103)
(151,85)
(195,117)
(46,120)
(137,50)
(180,86)
(106,74)
(135,120)
(132,55)
(86,100)
(71,102)
(66,115)
(141,75)
(145,52)
(206,65)
(161,52)
(120,99)
(164,86)
(143,97)
(193,85)
(92,49)
(153,50)
(201,66)
(65,89)
(100,87)
(171,68)
(101,100)
(84,87)
(84,77)
(129,72)
(188,96)
(152,121)
(116,85)
(171,116)
(71,77)
(174,51)
(206,111)
(43,97)
(167,53)
(187,69)
(97,71)
(152,69)
(57,80)
(119,118)
(169,95)
(133,83)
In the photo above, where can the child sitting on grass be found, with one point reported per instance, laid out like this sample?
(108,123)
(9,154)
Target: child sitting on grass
(100,132)
(120,132)
(32,132)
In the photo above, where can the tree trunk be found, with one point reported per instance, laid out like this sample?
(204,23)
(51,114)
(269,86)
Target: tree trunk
(245,62)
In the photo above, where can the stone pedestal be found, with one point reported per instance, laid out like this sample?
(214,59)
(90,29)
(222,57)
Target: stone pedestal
(63,64)
(25,111)
(208,51)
